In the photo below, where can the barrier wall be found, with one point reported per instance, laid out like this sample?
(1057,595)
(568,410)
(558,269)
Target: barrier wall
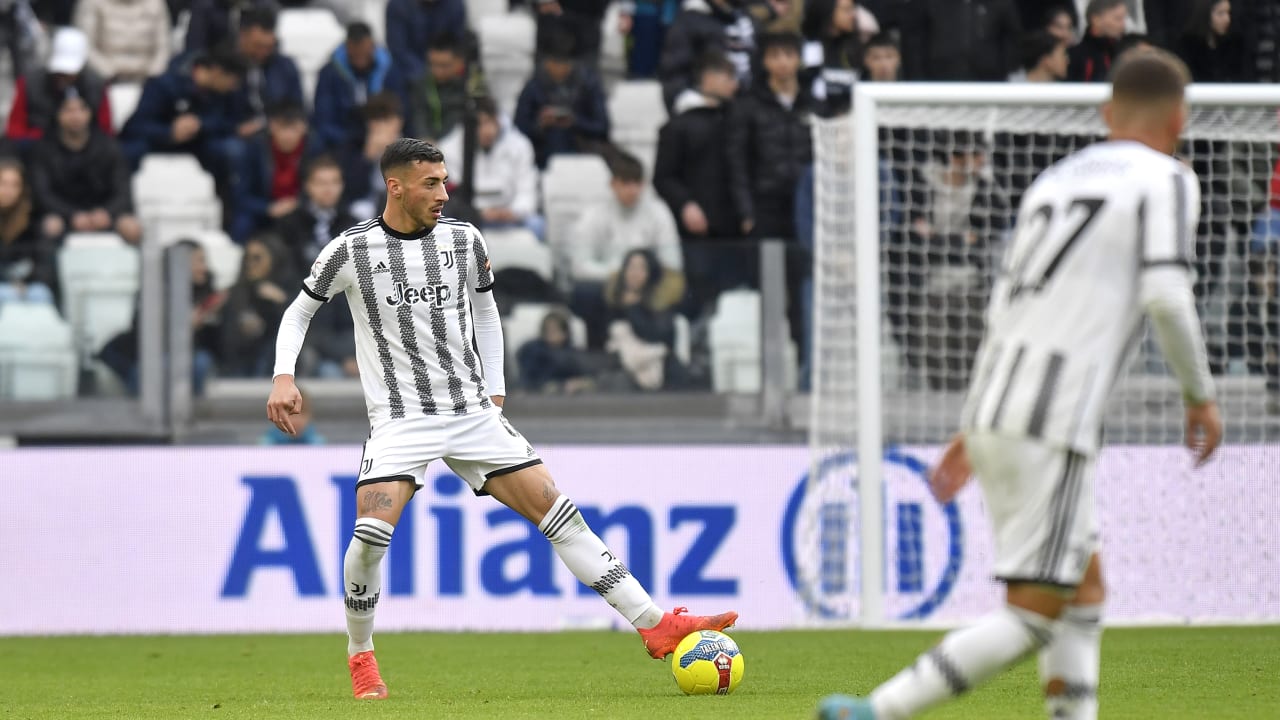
(177,540)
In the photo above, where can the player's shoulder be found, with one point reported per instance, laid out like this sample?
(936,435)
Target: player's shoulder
(454,224)
(360,228)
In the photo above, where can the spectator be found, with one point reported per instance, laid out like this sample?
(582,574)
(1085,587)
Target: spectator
(20,32)
(411,24)
(271,179)
(645,23)
(330,351)
(1253,325)
(562,107)
(271,77)
(128,39)
(691,175)
(191,109)
(607,231)
(80,177)
(948,40)
(881,59)
(320,216)
(438,98)
(1167,19)
(358,70)
(121,352)
(37,93)
(704,26)
(579,19)
(26,260)
(1211,50)
(213,23)
(832,53)
(1060,22)
(254,307)
(363,189)
(506,177)
(1091,58)
(640,297)
(549,363)
(769,144)
(1044,59)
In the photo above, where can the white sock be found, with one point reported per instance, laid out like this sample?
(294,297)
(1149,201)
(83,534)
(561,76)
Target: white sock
(582,551)
(963,659)
(1070,664)
(362,580)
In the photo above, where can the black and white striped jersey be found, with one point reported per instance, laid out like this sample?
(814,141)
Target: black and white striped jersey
(410,298)
(1067,310)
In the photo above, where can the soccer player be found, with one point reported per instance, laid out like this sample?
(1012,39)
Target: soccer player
(1104,237)
(418,285)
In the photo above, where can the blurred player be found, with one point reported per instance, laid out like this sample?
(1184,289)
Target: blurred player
(1103,237)
(418,287)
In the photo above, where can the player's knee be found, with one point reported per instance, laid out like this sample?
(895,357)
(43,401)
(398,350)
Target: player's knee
(1039,599)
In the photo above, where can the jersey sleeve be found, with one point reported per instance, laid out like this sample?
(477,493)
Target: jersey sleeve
(481,271)
(331,273)
(1167,217)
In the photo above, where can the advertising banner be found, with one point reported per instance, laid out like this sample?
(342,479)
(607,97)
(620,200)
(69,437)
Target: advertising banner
(208,540)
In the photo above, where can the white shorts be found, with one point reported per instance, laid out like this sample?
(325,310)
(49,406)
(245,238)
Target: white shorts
(477,446)
(1041,503)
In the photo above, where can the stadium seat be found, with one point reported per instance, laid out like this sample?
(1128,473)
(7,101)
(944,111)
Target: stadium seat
(173,194)
(37,353)
(309,36)
(735,341)
(636,113)
(520,248)
(99,273)
(506,51)
(479,9)
(124,98)
(570,183)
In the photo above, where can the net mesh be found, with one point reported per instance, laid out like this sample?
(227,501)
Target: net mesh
(949,182)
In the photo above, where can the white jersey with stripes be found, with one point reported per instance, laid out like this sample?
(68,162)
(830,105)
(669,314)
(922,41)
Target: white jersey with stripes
(1066,311)
(410,298)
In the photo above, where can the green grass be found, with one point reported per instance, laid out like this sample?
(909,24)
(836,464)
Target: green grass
(1219,673)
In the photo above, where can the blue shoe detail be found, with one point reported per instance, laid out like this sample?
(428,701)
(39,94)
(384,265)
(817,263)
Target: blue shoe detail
(844,707)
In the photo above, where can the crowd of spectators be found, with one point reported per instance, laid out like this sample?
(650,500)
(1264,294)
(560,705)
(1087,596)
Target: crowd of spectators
(741,80)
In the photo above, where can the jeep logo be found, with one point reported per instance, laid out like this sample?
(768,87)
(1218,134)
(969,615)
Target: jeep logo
(439,294)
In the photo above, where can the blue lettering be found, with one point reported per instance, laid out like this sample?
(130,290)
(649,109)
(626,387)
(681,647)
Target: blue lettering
(639,527)
(399,555)
(537,579)
(687,578)
(910,547)
(280,495)
(449,543)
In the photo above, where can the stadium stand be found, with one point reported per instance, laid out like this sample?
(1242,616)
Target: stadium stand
(37,353)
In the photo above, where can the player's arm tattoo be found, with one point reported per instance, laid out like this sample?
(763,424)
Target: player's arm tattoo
(375,501)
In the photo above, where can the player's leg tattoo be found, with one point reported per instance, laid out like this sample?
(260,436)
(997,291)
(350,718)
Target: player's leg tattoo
(362,579)
(376,501)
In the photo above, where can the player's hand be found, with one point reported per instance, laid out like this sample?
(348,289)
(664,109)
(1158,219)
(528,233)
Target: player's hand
(1204,430)
(952,472)
(285,401)
(497,399)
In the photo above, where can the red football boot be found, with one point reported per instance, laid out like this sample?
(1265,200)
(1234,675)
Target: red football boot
(661,639)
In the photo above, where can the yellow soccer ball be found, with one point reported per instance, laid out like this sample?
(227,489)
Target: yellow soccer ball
(707,663)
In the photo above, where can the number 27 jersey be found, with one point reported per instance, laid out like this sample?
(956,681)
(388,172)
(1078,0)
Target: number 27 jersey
(1066,311)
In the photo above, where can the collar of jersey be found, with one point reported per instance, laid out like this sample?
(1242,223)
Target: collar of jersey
(403,236)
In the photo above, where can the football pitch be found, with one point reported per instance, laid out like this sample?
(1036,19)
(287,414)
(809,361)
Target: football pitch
(1147,673)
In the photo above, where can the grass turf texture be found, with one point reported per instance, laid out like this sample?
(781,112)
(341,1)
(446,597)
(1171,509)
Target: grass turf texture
(1219,673)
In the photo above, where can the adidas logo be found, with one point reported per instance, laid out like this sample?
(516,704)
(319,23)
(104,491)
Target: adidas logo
(381,268)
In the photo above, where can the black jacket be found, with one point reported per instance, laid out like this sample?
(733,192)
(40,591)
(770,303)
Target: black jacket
(973,40)
(1091,59)
(1228,62)
(769,148)
(68,181)
(692,165)
(304,236)
(28,258)
(699,28)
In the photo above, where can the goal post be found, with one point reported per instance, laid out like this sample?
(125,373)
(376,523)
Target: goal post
(914,196)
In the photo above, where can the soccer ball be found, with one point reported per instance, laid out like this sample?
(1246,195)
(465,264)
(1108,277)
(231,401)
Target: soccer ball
(707,663)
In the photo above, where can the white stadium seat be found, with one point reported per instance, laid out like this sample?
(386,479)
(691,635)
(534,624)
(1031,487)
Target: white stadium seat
(636,113)
(99,273)
(309,36)
(37,353)
(519,248)
(124,99)
(524,322)
(478,9)
(570,183)
(735,341)
(174,195)
(506,51)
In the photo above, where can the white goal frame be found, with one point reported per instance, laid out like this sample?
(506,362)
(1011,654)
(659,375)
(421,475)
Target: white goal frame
(868,99)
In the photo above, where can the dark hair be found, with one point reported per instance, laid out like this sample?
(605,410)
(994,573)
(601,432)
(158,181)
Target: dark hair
(262,18)
(559,45)
(1053,12)
(323,161)
(558,317)
(289,111)
(382,106)
(652,264)
(1200,22)
(714,61)
(486,105)
(447,42)
(781,39)
(223,58)
(358,32)
(1130,41)
(625,167)
(884,38)
(1098,7)
(1035,47)
(1152,75)
(407,151)
(817,18)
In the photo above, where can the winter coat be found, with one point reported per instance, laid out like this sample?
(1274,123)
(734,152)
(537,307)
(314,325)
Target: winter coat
(582,94)
(305,234)
(768,150)
(174,93)
(410,25)
(35,103)
(253,191)
(692,165)
(1227,62)
(340,93)
(699,28)
(506,175)
(1091,59)
(128,39)
(436,108)
(27,258)
(68,181)
(974,40)
(606,232)
(213,22)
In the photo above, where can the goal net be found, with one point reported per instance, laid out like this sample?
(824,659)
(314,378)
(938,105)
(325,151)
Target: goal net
(915,198)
